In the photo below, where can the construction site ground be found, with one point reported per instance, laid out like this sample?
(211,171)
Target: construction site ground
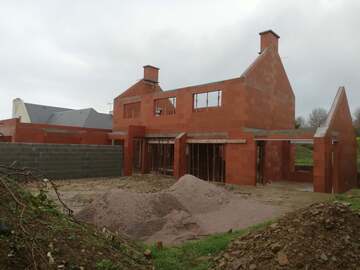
(199,208)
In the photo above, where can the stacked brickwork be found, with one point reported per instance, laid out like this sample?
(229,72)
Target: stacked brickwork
(65,161)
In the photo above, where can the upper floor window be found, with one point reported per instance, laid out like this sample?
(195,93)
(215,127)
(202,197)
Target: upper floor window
(207,99)
(132,110)
(165,106)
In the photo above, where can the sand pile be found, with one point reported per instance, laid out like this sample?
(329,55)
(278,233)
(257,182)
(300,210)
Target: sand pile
(199,196)
(188,209)
(322,236)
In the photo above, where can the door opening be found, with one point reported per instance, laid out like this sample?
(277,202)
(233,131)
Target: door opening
(206,161)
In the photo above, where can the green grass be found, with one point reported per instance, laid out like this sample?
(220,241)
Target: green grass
(352,197)
(304,155)
(196,255)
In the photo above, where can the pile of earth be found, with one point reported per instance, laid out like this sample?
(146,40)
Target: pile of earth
(322,236)
(188,209)
(34,234)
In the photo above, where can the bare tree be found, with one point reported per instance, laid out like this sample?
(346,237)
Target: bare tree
(317,117)
(357,118)
(300,122)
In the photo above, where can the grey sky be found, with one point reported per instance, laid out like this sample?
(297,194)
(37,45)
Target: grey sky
(82,54)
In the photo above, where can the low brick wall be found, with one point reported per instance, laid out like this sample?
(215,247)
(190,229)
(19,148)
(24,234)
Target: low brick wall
(65,161)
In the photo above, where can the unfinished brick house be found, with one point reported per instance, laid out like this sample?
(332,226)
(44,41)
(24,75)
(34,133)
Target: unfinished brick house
(237,131)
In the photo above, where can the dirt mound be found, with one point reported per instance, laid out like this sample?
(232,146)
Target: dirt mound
(144,216)
(188,209)
(199,196)
(322,236)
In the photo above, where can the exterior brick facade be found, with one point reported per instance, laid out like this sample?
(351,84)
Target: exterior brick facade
(15,131)
(220,139)
(335,168)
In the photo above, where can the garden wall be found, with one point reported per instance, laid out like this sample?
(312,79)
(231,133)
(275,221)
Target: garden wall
(65,161)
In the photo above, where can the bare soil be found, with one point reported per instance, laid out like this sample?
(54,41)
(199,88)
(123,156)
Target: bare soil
(79,193)
(154,208)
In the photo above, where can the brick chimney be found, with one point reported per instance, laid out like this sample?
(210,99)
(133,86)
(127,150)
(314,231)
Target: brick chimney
(151,73)
(269,39)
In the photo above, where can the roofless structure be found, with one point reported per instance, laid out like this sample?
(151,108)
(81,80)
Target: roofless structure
(237,131)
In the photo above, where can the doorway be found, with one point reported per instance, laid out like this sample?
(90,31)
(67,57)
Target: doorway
(161,157)
(206,161)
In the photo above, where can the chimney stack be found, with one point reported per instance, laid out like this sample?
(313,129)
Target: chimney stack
(151,74)
(269,39)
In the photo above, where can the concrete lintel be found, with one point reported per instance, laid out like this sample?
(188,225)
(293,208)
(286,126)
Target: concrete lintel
(161,141)
(217,141)
(292,140)
(161,135)
(222,135)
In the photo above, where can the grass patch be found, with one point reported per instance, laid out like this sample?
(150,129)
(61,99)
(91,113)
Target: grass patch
(352,197)
(196,255)
(304,155)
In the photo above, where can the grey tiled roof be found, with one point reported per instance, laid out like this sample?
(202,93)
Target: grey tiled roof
(40,114)
(87,118)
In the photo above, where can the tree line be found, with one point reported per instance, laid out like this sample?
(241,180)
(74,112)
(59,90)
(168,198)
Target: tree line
(318,116)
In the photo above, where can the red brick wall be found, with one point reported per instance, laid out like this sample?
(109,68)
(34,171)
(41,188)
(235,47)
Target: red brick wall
(261,98)
(5,138)
(133,132)
(241,163)
(8,127)
(274,161)
(335,152)
(42,133)
(180,155)
(269,96)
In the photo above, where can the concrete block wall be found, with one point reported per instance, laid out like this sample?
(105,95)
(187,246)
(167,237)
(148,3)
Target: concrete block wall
(65,161)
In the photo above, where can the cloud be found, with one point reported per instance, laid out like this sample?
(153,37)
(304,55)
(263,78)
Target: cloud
(84,53)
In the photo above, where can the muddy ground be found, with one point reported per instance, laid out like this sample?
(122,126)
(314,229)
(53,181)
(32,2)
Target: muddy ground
(79,193)
(245,206)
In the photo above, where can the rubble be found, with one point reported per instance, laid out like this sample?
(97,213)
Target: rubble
(321,236)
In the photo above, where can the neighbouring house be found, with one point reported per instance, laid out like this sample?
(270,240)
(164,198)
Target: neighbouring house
(46,124)
(237,131)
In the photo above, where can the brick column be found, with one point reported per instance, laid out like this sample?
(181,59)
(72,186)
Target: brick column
(133,132)
(322,165)
(240,162)
(128,156)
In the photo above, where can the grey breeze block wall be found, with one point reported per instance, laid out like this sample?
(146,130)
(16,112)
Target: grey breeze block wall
(65,161)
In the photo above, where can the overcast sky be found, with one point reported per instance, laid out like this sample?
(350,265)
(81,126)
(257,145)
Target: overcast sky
(81,54)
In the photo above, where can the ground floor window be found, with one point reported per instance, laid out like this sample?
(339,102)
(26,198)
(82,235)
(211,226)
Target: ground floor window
(206,161)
